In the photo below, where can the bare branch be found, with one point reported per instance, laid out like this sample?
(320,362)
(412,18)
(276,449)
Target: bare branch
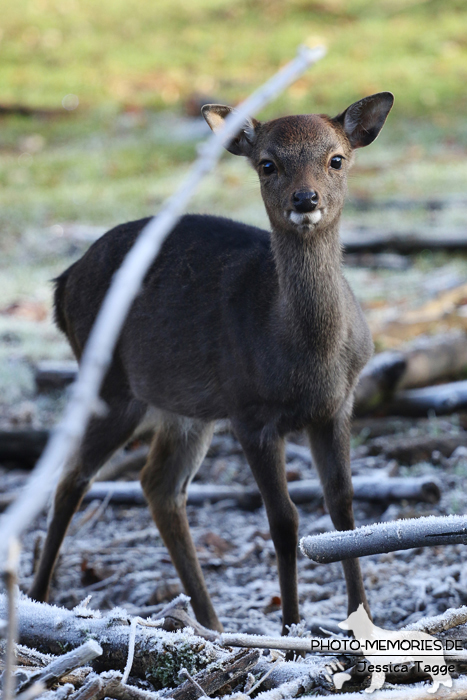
(10,575)
(385,537)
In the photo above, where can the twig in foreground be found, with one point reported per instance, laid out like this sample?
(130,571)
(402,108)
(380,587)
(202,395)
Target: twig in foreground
(385,537)
(125,286)
(10,576)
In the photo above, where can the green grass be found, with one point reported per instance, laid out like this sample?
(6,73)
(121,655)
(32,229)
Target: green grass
(156,54)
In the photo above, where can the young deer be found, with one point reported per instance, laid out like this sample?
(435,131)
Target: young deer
(234,322)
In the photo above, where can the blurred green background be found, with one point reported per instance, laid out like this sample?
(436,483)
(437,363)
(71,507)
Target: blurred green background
(116,80)
(154,54)
(98,105)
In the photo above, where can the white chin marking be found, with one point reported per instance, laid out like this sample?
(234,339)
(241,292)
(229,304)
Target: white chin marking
(307,219)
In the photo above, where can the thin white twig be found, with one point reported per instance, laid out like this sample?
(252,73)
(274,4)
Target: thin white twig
(132,641)
(125,286)
(10,575)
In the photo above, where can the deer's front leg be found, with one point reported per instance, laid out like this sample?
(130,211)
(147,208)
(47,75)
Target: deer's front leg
(265,454)
(330,447)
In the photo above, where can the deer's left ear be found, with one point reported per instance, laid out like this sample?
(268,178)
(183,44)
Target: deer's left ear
(363,120)
(242,144)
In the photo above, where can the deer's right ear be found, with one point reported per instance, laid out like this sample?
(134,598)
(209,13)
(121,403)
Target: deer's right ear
(242,144)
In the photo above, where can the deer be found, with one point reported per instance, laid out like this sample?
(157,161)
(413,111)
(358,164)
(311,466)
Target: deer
(234,322)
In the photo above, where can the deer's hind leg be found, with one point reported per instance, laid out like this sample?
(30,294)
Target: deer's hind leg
(103,437)
(177,451)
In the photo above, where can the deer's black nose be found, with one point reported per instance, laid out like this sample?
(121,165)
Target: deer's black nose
(304,201)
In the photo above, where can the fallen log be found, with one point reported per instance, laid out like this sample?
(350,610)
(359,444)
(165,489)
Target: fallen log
(434,358)
(385,537)
(441,400)
(403,242)
(377,488)
(158,653)
(423,362)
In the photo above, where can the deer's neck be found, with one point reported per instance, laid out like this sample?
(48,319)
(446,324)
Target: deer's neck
(311,301)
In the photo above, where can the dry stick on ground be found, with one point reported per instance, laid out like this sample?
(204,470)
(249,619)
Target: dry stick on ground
(385,537)
(377,489)
(300,644)
(59,667)
(259,641)
(366,488)
(125,286)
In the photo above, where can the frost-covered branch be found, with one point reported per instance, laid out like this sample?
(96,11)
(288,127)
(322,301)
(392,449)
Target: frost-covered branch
(453,617)
(51,628)
(125,286)
(62,665)
(385,537)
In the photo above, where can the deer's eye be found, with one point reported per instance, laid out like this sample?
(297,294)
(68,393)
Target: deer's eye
(336,162)
(267,167)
